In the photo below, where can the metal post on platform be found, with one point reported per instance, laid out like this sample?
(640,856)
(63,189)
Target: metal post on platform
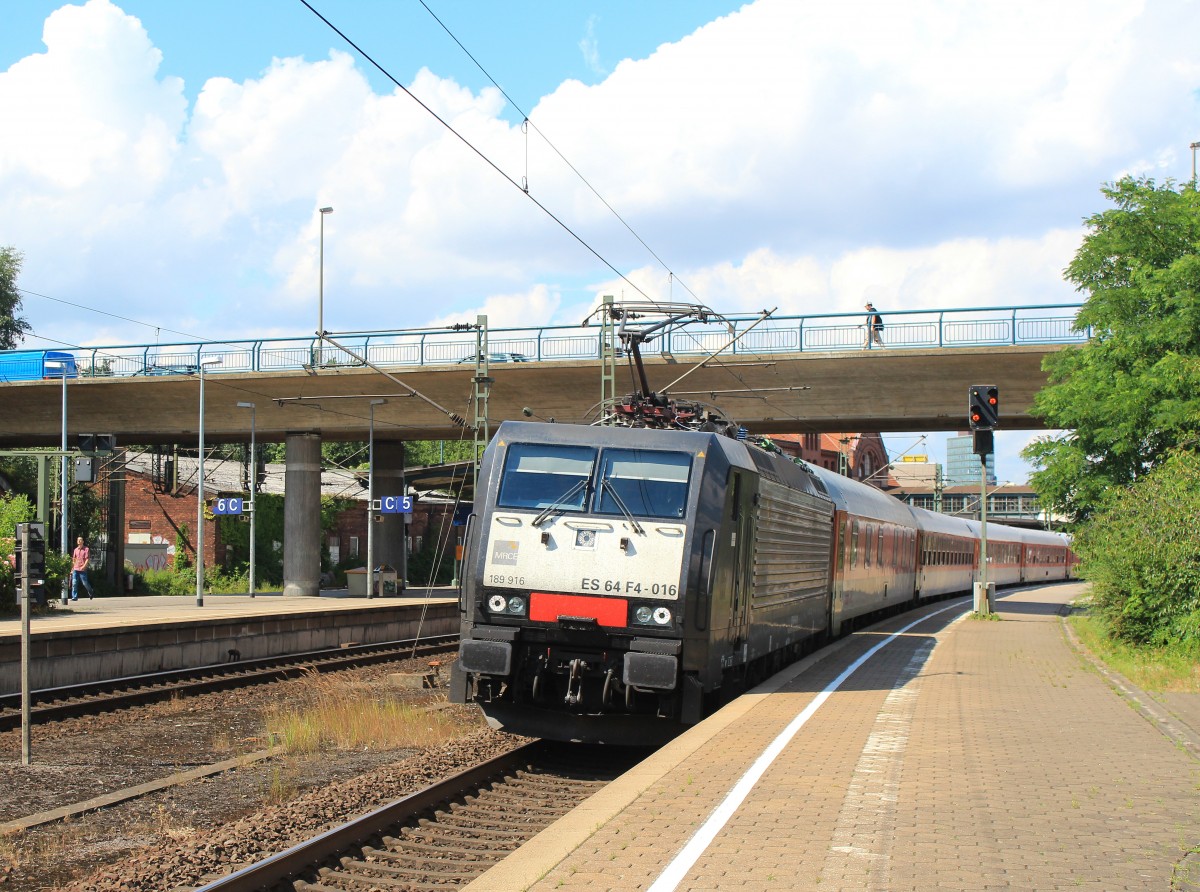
(63,539)
(200,493)
(371,502)
(253,488)
(26,692)
(983,603)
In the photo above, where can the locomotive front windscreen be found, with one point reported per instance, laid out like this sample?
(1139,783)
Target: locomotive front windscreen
(649,484)
(641,482)
(538,476)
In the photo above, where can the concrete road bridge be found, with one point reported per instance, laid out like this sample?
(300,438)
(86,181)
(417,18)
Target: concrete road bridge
(787,375)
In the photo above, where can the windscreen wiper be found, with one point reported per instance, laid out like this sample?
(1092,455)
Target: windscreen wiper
(557,504)
(612,491)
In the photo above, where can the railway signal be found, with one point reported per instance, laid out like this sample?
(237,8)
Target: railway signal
(31,570)
(983,407)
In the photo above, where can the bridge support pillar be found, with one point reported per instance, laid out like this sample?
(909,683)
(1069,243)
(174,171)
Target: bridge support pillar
(302,517)
(391,531)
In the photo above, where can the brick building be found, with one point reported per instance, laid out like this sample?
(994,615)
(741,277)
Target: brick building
(860,456)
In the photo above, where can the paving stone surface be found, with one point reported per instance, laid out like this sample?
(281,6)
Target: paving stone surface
(965,754)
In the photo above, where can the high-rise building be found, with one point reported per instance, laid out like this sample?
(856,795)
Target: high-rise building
(962,464)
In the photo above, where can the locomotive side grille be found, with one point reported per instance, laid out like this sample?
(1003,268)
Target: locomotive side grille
(792,546)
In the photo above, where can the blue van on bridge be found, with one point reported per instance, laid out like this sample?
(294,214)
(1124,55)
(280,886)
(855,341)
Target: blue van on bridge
(34,365)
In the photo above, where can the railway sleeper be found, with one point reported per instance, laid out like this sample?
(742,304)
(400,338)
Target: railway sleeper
(501,810)
(370,868)
(459,833)
(439,841)
(548,784)
(430,855)
(485,823)
(508,797)
(384,882)
(504,794)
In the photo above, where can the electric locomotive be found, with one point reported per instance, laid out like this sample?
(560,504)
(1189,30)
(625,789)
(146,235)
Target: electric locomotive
(615,578)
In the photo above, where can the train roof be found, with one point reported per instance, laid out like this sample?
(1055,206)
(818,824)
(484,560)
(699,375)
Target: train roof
(998,532)
(860,499)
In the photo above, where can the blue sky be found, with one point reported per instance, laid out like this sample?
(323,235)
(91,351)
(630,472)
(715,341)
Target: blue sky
(162,162)
(529,47)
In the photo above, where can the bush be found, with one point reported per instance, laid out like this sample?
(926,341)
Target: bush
(167,582)
(183,582)
(420,564)
(1141,551)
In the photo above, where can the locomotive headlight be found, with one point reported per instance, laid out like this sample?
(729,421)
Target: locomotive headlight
(643,615)
(516,605)
(662,616)
(497,603)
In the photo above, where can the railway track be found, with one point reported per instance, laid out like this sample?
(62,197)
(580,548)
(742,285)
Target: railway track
(447,834)
(53,704)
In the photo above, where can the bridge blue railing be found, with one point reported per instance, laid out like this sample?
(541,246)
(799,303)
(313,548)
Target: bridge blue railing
(824,332)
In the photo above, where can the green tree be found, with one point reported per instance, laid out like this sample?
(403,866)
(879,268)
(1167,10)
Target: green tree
(424,453)
(348,455)
(1132,393)
(12,326)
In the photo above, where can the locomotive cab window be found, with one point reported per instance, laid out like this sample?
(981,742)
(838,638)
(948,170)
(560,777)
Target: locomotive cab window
(540,476)
(646,483)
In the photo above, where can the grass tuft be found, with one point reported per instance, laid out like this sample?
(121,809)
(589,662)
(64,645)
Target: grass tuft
(1171,669)
(339,714)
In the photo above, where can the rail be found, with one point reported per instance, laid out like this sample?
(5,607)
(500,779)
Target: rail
(824,332)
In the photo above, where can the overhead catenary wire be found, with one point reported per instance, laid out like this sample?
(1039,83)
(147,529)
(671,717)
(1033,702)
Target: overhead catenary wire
(466,142)
(528,122)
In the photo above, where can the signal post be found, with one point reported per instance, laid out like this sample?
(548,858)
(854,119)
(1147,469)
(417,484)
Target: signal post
(31,583)
(983,414)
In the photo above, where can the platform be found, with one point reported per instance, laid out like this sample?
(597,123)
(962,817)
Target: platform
(135,610)
(961,754)
(93,640)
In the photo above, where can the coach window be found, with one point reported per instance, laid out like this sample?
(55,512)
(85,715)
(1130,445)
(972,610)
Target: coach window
(538,475)
(868,543)
(854,544)
(879,548)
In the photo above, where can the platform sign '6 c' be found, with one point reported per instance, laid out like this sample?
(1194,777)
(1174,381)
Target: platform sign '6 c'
(228,505)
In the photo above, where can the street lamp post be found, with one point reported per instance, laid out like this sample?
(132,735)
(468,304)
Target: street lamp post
(200,493)
(253,488)
(321,283)
(371,502)
(1193,147)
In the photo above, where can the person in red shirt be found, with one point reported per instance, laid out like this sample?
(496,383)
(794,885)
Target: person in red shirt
(79,565)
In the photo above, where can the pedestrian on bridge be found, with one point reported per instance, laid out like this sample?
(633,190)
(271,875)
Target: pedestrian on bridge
(79,565)
(874,326)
